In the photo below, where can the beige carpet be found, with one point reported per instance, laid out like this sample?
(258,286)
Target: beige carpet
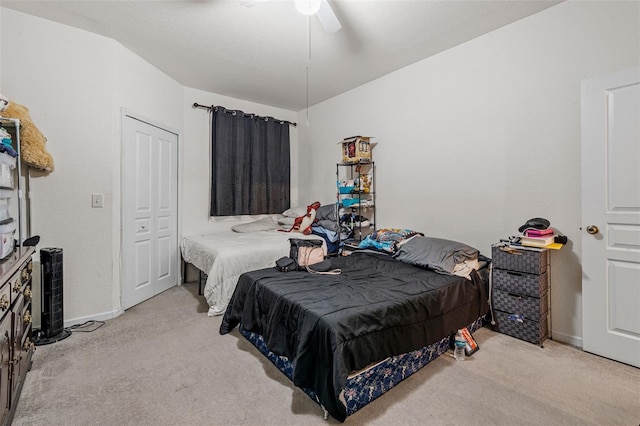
(164,363)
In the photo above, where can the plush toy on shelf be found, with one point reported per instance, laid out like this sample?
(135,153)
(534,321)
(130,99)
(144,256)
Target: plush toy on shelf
(32,142)
(4,101)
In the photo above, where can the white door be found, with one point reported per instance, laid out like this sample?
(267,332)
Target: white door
(149,210)
(611,216)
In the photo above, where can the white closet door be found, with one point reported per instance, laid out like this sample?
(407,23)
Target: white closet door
(149,210)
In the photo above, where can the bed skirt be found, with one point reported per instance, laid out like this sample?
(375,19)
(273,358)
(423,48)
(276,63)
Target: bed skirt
(371,383)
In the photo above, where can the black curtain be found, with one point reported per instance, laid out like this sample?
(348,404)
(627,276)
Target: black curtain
(250,164)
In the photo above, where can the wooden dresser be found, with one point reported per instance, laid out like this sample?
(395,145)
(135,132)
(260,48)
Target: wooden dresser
(16,348)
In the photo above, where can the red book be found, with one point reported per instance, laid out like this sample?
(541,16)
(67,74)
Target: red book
(538,232)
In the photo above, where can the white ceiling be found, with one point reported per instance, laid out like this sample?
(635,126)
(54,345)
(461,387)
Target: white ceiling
(260,53)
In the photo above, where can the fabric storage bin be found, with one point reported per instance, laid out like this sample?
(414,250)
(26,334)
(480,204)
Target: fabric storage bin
(517,282)
(7,164)
(521,328)
(7,239)
(531,308)
(5,203)
(520,259)
(348,202)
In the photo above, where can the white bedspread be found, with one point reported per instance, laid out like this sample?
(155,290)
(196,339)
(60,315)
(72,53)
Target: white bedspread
(227,255)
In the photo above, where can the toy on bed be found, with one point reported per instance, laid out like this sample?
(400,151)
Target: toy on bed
(304,223)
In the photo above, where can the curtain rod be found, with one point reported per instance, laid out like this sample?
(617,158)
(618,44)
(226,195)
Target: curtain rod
(210,108)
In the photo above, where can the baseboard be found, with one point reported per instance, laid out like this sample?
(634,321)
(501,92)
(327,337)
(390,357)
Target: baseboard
(97,317)
(566,338)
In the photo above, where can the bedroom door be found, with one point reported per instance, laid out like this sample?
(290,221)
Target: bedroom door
(149,210)
(611,216)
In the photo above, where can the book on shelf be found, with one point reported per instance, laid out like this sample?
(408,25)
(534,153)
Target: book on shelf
(541,241)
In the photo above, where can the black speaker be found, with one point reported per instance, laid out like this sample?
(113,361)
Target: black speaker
(52,319)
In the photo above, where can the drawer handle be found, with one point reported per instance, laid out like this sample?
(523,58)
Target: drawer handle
(29,346)
(517,296)
(517,274)
(27,317)
(17,286)
(27,292)
(4,302)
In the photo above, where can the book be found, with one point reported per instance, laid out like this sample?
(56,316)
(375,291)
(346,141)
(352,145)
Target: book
(542,241)
(555,246)
(538,232)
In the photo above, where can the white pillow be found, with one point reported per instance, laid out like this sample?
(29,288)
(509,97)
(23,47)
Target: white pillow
(295,211)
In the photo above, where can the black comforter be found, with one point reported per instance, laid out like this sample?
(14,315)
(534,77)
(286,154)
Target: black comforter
(331,325)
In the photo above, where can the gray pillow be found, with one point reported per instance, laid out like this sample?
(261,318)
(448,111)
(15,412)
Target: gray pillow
(327,212)
(435,253)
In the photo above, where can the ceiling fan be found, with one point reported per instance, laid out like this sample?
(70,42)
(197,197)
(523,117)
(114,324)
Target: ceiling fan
(320,8)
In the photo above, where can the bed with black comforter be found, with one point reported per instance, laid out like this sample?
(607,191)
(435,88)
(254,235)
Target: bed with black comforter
(329,326)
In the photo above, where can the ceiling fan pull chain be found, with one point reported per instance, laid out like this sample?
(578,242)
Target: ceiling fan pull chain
(308,62)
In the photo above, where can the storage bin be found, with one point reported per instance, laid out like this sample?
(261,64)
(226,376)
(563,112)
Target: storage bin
(348,202)
(7,164)
(346,189)
(521,328)
(531,308)
(7,239)
(5,203)
(520,259)
(520,283)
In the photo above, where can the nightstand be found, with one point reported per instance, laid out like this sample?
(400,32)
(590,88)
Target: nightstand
(520,294)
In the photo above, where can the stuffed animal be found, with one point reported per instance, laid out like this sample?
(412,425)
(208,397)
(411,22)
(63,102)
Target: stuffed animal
(32,142)
(365,183)
(4,101)
(304,223)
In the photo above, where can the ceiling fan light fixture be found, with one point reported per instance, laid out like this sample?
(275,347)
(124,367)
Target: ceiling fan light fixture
(307,7)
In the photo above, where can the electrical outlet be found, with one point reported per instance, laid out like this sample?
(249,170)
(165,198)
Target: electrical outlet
(97,200)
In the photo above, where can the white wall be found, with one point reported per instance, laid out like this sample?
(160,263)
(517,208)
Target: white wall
(472,142)
(478,139)
(75,84)
(197,153)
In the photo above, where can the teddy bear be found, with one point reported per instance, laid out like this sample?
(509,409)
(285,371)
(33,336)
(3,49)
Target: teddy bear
(32,142)
(4,101)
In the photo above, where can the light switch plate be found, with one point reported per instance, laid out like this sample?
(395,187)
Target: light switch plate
(97,200)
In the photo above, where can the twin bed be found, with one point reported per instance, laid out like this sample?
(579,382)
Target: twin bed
(224,256)
(347,339)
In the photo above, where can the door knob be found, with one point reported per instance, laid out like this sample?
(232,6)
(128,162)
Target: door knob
(592,229)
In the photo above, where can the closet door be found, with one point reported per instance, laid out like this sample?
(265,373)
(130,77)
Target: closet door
(149,210)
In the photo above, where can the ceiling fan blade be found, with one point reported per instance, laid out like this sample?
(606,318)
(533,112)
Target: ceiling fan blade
(327,18)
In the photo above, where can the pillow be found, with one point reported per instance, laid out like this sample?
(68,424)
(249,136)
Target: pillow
(435,253)
(295,211)
(327,212)
(286,221)
(268,223)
